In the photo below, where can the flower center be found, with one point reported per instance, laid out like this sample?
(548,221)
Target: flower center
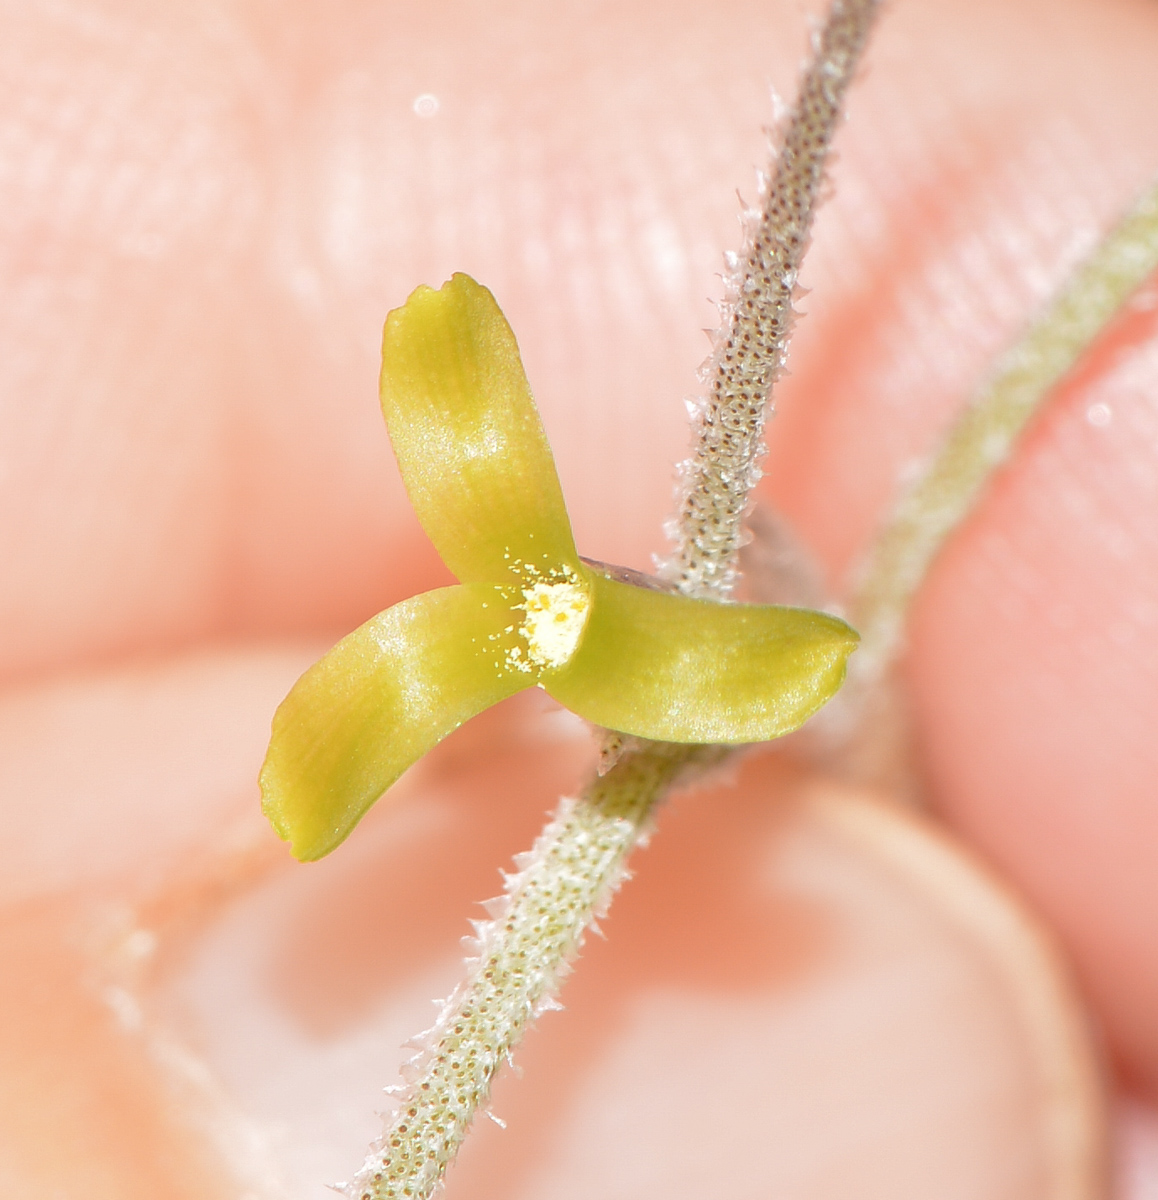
(556,615)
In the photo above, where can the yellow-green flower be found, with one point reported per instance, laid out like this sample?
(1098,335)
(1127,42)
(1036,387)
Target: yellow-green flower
(528,611)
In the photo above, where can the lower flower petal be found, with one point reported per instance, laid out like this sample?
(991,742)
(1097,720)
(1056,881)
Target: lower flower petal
(380,699)
(674,669)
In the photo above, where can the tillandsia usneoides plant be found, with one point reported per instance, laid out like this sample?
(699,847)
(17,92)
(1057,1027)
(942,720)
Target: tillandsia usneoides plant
(566,881)
(670,670)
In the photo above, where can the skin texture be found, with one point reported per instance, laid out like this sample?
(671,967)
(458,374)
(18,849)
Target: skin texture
(207,211)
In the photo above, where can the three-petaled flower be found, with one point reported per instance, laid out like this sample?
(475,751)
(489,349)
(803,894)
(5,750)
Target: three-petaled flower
(527,611)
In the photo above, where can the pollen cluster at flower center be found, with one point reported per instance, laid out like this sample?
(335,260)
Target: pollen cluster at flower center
(556,615)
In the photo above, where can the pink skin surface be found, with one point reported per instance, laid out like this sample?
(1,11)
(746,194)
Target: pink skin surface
(207,211)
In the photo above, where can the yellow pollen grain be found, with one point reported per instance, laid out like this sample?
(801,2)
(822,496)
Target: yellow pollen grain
(556,615)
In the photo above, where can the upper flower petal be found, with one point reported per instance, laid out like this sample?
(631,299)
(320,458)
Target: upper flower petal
(472,451)
(383,697)
(674,669)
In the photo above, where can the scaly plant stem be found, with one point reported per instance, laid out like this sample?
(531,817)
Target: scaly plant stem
(570,875)
(562,886)
(750,349)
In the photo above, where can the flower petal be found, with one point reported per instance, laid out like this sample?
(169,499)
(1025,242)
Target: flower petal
(379,700)
(680,670)
(473,454)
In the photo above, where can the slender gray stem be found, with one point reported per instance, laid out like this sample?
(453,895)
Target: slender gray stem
(750,349)
(538,925)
